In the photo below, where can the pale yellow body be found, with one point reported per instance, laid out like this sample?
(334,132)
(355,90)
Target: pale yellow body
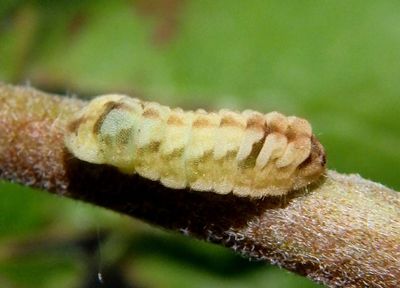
(248,153)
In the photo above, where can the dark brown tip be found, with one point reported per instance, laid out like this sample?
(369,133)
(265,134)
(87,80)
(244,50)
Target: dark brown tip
(318,150)
(315,163)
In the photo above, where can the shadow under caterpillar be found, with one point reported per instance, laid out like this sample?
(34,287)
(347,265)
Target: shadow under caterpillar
(248,153)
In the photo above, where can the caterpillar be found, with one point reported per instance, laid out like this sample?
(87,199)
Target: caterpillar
(249,153)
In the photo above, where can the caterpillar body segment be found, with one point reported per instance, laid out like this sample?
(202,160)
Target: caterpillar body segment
(248,153)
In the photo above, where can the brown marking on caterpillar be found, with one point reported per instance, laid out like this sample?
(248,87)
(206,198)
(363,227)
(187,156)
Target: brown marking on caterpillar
(228,120)
(171,174)
(151,113)
(255,133)
(73,126)
(249,153)
(175,120)
(108,107)
(298,127)
(256,122)
(316,158)
(154,146)
(277,122)
(310,169)
(201,122)
(124,136)
(250,160)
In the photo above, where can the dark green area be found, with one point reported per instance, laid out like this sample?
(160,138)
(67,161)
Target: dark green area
(334,62)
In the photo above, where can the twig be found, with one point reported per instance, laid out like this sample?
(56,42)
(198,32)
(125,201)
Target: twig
(345,231)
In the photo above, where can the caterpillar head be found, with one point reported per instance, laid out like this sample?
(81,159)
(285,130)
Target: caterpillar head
(312,167)
(102,132)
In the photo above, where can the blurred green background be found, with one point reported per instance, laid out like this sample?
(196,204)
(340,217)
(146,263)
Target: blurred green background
(336,63)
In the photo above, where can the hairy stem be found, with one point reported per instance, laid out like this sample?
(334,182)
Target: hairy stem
(344,231)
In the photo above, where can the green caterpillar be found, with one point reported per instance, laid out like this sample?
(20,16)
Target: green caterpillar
(248,153)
